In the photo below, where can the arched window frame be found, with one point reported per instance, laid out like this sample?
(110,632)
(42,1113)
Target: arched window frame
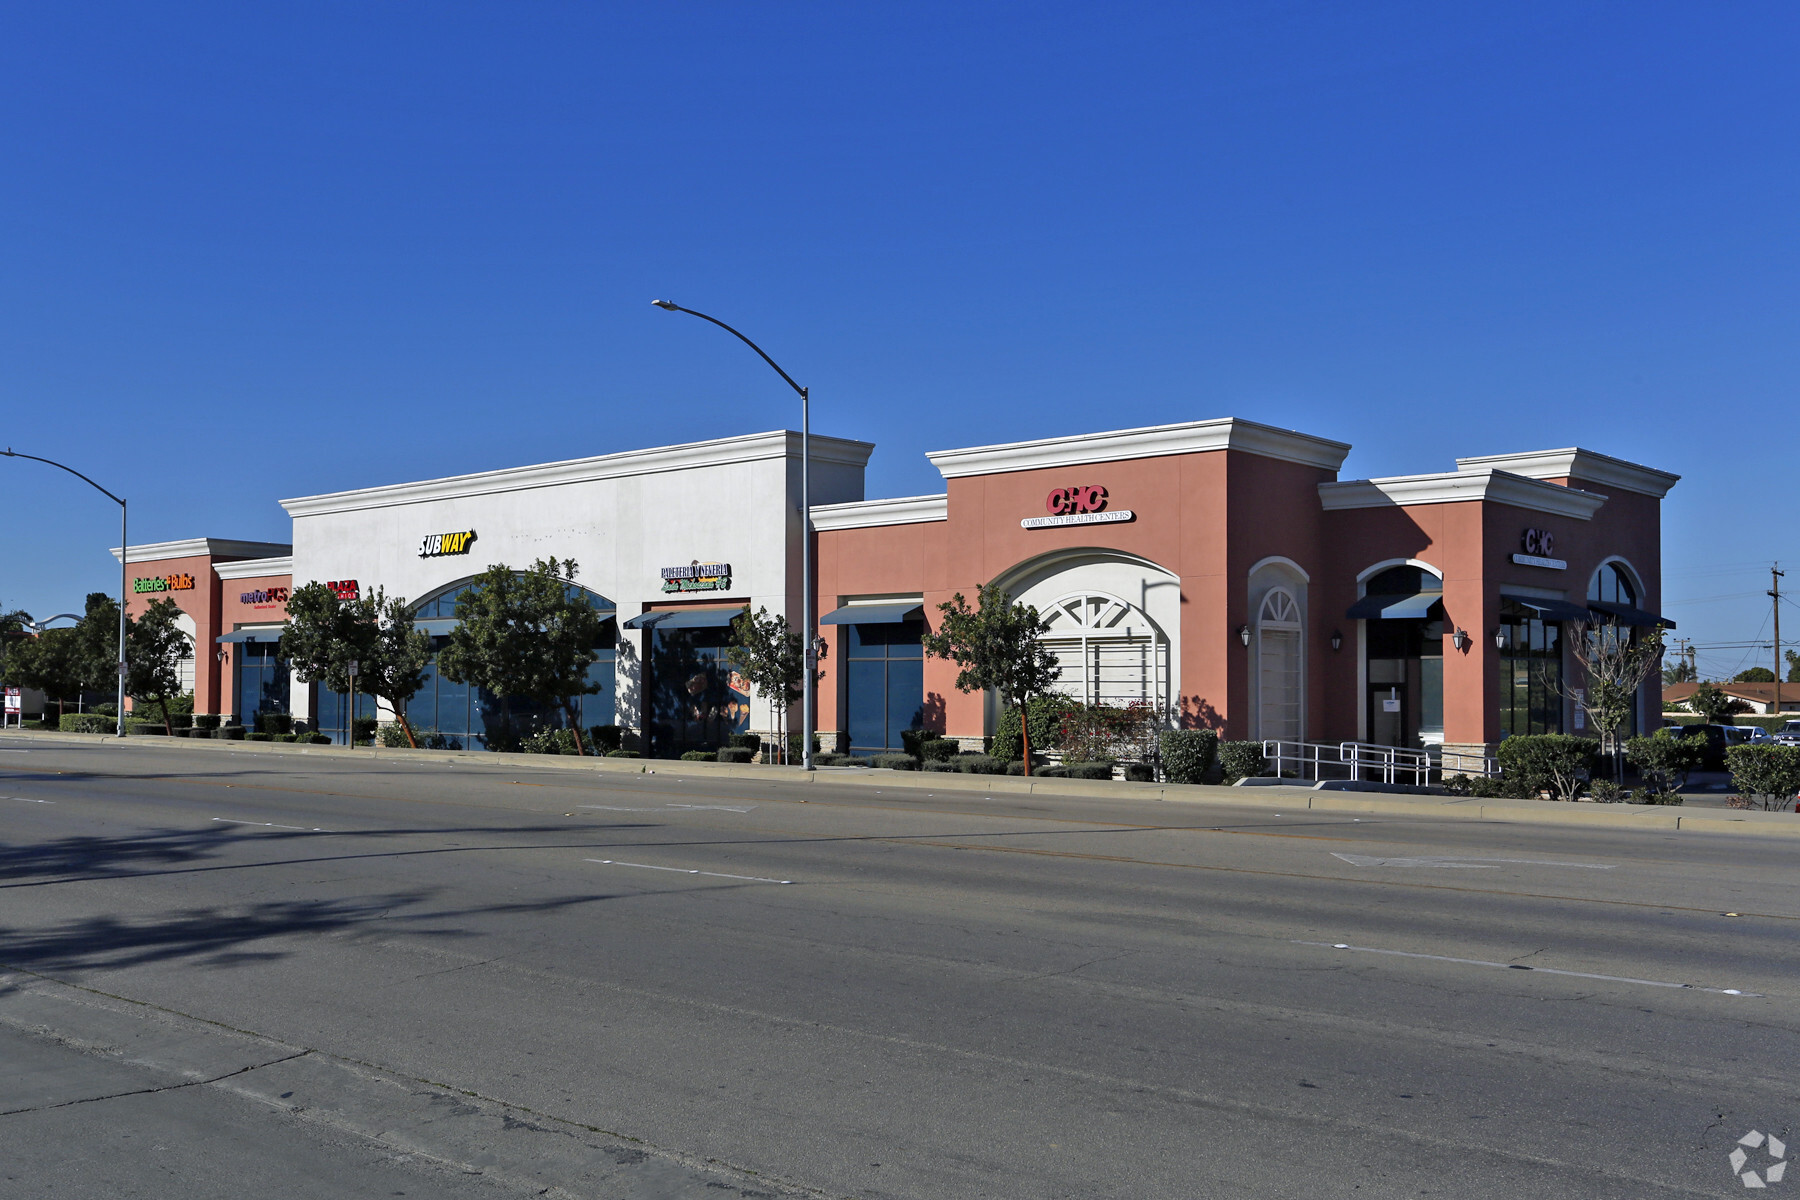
(1094,618)
(1279,613)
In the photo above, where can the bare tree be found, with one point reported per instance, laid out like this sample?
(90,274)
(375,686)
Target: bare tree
(1614,663)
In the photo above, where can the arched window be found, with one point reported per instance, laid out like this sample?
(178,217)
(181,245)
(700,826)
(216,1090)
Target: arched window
(1279,632)
(1109,650)
(1612,585)
(441,604)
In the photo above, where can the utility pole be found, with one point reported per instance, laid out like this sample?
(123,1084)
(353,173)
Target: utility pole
(1775,577)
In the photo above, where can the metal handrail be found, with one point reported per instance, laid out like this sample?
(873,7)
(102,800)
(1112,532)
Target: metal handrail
(1363,760)
(1390,761)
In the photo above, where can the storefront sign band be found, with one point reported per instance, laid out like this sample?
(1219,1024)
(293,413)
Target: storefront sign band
(1090,518)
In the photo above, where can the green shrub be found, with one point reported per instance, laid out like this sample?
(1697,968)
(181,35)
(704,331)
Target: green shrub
(1605,791)
(547,741)
(179,720)
(206,721)
(746,741)
(256,735)
(940,749)
(938,764)
(274,722)
(700,756)
(913,740)
(604,739)
(795,742)
(364,728)
(1053,771)
(87,723)
(1016,767)
(621,754)
(1646,795)
(896,762)
(1188,754)
(1492,787)
(1556,763)
(736,754)
(1091,770)
(839,760)
(230,733)
(1769,774)
(317,739)
(1663,759)
(1140,773)
(288,737)
(152,728)
(979,764)
(1047,713)
(1242,760)
(392,736)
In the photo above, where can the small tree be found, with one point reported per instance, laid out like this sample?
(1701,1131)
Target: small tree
(1712,704)
(326,633)
(1754,675)
(52,663)
(771,657)
(97,636)
(527,633)
(1771,774)
(1665,760)
(997,646)
(1615,661)
(156,648)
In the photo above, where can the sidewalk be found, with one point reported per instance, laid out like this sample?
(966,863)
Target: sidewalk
(1289,799)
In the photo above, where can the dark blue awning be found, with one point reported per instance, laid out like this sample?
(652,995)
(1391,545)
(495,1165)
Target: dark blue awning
(646,620)
(1395,608)
(874,614)
(698,618)
(1627,615)
(239,636)
(1550,610)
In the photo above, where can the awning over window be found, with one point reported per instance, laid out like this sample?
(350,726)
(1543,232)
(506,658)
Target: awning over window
(1627,615)
(1550,610)
(239,636)
(874,614)
(1395,608)
(685,618)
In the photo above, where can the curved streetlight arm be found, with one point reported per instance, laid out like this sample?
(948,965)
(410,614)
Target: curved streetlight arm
(9,452)
(671,306)
(124,561)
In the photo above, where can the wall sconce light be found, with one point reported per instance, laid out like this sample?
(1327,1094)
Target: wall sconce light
(1337,640)
(1460,639)
(1244,634)
(1500,638)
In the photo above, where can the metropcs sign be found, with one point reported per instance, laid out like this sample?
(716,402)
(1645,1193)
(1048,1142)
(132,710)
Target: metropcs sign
(437,545)
(164,583)
(1084,505)
(262,596)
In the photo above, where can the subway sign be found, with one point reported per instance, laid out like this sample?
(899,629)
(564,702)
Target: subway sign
(164,583)
(697,577)
(437,545)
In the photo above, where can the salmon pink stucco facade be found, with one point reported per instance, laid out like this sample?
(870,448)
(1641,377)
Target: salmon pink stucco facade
(1220,573)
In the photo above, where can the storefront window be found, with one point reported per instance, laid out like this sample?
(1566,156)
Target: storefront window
(262,681)
(1531,675)
(884,682)
(332,712)
(698,699)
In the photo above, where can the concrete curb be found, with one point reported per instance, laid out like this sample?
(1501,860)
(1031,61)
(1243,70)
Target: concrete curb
(1286,798)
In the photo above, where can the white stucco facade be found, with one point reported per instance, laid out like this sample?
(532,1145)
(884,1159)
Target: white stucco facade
(621,517)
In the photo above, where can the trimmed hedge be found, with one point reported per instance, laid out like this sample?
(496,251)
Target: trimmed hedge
(939,764)
(1140,773)
(1769,773)
(939,749)
(622,754)
(88,723)
(699,756)
(604,739)
(207,721)
(230,733)
(980,764)
(1188,754)
(1091,770)
(896,762)
(746,741)
(256,735)
(736,754)
(1548,762)
(1242,760)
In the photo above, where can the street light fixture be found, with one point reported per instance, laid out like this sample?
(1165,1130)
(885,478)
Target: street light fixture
(124,556)
(811,657)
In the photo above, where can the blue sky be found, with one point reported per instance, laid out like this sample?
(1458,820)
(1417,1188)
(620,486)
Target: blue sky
(254,251)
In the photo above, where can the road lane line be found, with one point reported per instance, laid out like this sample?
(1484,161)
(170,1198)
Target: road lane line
(29,800)
(1482,962)
(736,808)
(1461,861)
(608,862)
(271,825)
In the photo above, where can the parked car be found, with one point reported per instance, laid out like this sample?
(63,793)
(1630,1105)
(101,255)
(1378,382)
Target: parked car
(1747,735)
(1716,737)
(1788,734)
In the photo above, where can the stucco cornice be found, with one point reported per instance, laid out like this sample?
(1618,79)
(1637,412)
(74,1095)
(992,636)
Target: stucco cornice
(1456,487)
(255,568)
(691,456)
(203,547)
(1575,463)
(1190,437)
(866,514)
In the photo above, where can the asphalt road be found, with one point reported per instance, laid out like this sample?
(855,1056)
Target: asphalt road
(234,973)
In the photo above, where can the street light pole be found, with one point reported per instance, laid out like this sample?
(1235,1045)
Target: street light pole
(809,658)
(124,559)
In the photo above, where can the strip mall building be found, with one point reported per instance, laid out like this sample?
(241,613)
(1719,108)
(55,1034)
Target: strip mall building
(1218,571)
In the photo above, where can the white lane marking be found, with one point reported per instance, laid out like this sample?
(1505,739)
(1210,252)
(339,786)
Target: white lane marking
(29,800)
(736,808)
(607,862)
(272,825)
(15,752)
(1473,864)
(1481,962)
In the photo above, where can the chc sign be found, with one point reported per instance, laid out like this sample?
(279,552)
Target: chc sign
(1077,506)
